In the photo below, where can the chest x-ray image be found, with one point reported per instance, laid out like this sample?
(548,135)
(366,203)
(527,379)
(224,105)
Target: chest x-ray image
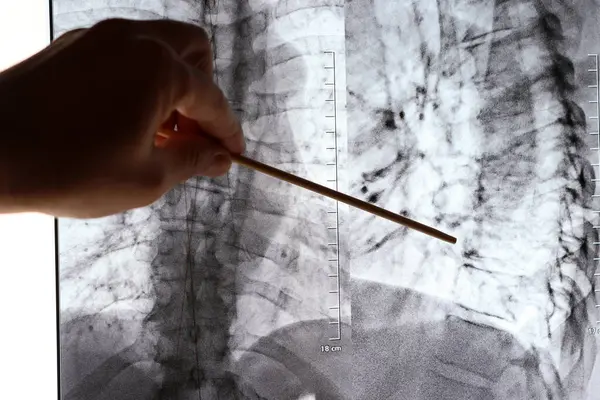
(477,117)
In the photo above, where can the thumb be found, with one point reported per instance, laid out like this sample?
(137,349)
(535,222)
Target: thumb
(183,157)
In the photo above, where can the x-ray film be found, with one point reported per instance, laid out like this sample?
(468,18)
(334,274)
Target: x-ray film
(479,118)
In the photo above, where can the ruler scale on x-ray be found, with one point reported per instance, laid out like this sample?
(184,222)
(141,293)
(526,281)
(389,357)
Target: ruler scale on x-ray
(596,101)
(332,179)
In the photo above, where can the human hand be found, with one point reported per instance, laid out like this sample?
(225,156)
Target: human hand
(79,128)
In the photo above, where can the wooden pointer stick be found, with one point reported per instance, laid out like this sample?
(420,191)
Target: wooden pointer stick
(335,195)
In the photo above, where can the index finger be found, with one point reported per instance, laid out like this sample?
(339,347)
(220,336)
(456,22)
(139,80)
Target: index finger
(202,101)
(197,96)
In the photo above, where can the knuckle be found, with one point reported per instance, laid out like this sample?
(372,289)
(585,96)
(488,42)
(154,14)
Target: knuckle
(193,30)
(155,58)
(202,35)
(112,26)
(194,157)
(150,50)
(220,102)
(70,35)
(198,34)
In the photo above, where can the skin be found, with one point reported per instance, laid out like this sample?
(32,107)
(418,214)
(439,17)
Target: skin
(79,119)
